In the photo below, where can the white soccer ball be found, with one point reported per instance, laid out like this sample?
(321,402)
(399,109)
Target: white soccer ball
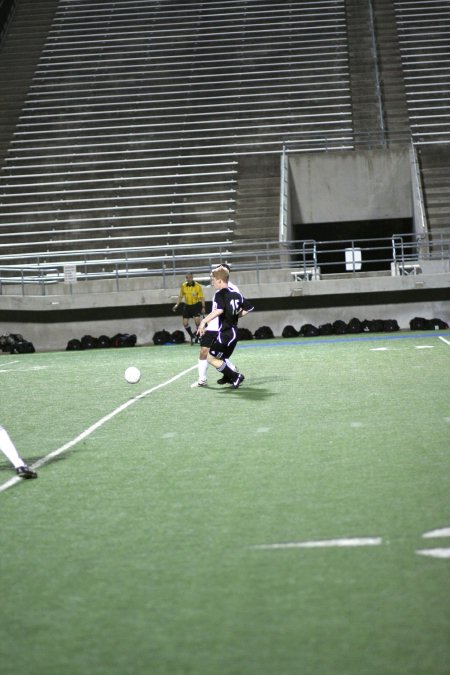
(132,374)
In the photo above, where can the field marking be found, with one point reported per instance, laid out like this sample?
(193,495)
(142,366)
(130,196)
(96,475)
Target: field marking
(447,342)
(9,363)
(443,553)
(435,552)
(22,370)
(308,342)
(325,543)
(398,349)
(90,430)
(441,532)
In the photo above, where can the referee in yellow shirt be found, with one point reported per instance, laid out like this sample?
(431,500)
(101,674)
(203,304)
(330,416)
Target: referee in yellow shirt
(192,298)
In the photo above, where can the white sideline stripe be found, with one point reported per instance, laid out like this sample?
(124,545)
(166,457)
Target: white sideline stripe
(87,432)
(447,342)
(9,363)
(435,552)
(326,543)
(22,370)
(442,532)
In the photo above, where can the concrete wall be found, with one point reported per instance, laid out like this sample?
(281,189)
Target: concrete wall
(50,321)
(350,185)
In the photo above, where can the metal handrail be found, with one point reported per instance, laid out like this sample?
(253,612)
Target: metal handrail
(377,70)
(304,255)
(283,217)
(422,225)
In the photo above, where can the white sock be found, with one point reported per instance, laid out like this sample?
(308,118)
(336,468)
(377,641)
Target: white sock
(9,450)
(202,368)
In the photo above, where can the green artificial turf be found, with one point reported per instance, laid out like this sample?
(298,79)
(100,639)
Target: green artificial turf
(141,548)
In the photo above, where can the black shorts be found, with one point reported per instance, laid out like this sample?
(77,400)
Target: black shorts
(224,344)
(189,311)
(208,338)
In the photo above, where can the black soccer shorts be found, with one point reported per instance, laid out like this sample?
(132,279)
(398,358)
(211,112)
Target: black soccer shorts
(208,338)
(190,311)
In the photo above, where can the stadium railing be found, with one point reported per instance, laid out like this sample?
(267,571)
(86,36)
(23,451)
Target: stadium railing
(307,261)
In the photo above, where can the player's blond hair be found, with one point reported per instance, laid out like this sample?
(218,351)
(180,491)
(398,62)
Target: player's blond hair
(221,273)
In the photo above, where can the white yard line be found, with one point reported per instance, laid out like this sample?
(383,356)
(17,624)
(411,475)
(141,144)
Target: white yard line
(326,543)
(22,370)
(447,342)
(87,432)
(443,553)
(442,532)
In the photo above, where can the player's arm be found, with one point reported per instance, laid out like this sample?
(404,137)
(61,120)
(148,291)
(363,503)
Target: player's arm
(246,308)
(180,299)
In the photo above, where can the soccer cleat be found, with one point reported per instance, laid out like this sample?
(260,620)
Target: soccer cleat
(25,472)
(223,380)
(199,383)
(238,381)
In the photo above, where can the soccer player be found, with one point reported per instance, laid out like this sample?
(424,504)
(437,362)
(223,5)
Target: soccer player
(228,306)
(193,299)
(9,450)
(207,339)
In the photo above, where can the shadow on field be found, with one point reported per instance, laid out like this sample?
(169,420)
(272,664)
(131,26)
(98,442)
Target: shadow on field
(249,393)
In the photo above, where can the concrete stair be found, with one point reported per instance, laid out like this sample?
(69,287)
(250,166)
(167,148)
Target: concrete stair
(258,198)
(396,118)
(362,66)
(19,55)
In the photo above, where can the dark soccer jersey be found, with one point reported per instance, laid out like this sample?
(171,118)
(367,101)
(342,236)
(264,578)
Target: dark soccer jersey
(231,302)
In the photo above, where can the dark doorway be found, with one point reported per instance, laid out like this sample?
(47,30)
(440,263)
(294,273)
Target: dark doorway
(333,238)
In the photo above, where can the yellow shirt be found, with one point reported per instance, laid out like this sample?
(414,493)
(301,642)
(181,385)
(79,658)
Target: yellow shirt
(191,294)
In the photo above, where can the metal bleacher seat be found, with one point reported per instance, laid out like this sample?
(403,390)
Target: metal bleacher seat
(137,116)
(423,30)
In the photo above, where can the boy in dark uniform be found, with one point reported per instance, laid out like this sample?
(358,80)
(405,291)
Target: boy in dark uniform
(229,306)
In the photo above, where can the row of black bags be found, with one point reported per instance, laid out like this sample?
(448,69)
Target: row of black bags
(14,343)
(340,327)
(102,342)
(261,333)
(419,323)
(163,337)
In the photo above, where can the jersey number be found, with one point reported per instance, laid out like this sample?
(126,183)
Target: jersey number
(236,305)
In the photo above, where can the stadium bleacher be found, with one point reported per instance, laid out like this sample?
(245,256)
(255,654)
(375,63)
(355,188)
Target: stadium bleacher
(162,125)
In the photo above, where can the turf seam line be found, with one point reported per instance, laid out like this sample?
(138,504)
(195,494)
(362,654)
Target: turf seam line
(87,432)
